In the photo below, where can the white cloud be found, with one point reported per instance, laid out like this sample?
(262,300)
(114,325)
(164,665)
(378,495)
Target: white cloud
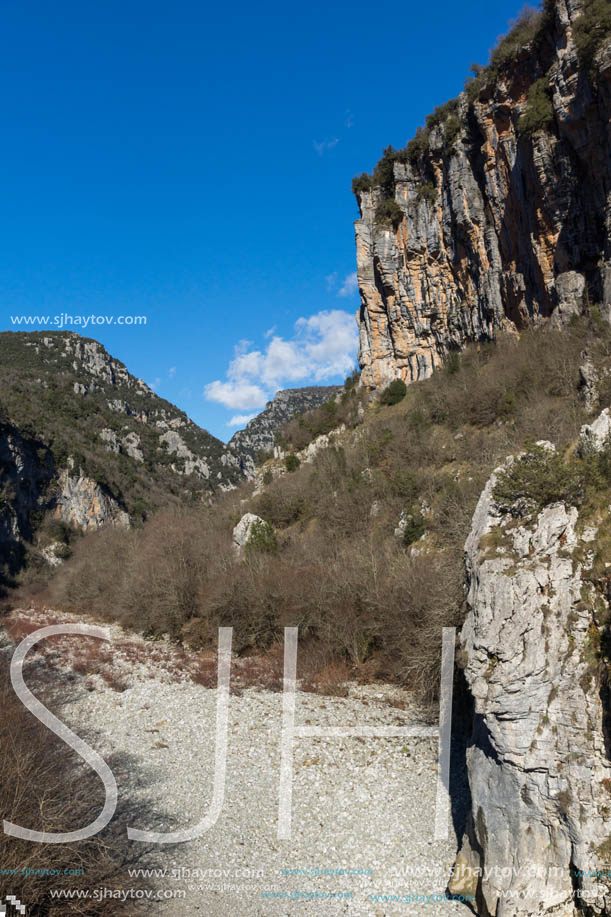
(240,420)
(323,346)
(235,394)
(349,121)
(154,385)
(322,146)
(172,372)
(349,286)
(331,281)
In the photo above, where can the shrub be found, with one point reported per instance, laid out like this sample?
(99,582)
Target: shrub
(384,172)
(417,146)
(536,479)
(603,461)
(528,27)
(352,380)
(404,484)
(591,29)
(427,192)
(262,538)
(291,462)
(475,83)
(263,455)
(362,182)
(394,393)
(413,528)
(53,529)
(452,364)
(43,788)
(523,30)
(63,551)
(442,113)
(539,112)
(450,134)
(139,509)
(388,211)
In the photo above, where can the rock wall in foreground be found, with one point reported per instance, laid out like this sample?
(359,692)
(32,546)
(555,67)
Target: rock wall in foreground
(539,768)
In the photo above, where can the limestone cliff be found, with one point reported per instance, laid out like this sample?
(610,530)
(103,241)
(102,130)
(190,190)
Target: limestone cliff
(535,651)
(32,488)
(498,214)
(83,503)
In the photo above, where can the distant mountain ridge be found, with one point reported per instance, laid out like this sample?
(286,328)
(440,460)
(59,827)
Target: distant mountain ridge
(258,435)
(97,419)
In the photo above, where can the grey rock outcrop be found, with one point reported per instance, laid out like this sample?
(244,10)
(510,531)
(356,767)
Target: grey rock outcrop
(588,383)
(243,530)
(190,464)
(277,468)
(81,502)
(496,228)
(31,488)
(539,770)
(595,436)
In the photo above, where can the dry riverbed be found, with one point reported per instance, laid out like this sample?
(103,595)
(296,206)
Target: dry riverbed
(362,808)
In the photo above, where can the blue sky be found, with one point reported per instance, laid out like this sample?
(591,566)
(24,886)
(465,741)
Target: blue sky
(191,163)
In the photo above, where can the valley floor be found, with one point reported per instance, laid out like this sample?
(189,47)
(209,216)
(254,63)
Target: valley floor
(359,805)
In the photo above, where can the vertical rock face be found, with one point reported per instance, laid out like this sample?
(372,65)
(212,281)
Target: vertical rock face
(494,227)
(539,768)
(81,502)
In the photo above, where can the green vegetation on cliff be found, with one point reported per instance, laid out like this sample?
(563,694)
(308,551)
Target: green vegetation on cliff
(530,37)
(592,28)
(539,112)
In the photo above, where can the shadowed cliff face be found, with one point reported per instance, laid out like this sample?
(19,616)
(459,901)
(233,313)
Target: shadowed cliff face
(31,486)
(498,226)
(26,469)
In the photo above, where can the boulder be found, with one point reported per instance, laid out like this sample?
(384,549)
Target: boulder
(242,530)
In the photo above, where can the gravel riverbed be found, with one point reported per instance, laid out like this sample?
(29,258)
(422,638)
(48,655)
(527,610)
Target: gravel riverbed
(361,805)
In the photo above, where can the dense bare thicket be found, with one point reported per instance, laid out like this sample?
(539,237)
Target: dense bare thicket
(44,786)
(341,573)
